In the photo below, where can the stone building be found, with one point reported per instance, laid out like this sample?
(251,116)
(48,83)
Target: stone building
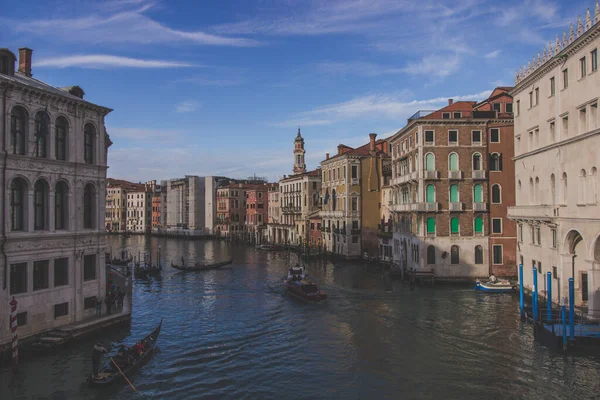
(184,206)
(352,185)
(557,137)
(386,223)
(53,196)
(139,210)
(115,217)
(257,210)
(449,168)
(231,209)
(274,211)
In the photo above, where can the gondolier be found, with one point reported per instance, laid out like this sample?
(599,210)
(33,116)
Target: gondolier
(97,353)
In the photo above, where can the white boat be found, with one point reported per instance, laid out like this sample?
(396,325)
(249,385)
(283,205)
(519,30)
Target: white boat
(296,273)
(503,286)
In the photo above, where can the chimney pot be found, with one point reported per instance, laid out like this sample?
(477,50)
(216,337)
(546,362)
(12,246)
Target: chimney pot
(25,61)
(450,101)
(327,156)
(372,137)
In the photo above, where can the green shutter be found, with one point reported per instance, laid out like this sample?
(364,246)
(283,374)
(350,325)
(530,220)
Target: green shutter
(453,162)
(431,225)
(454,225)
(477,194)
(454,193)
(478,225)
(430,194)
(429,162)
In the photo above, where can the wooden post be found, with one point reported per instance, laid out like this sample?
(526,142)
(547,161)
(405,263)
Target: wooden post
(13,327)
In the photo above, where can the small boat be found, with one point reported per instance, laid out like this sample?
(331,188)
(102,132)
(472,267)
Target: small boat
(120,261)
(201,267)
(495,287)
(268,247)
(146,270)
(298,286)
(110,374)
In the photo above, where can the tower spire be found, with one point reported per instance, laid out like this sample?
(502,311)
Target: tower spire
(299,152)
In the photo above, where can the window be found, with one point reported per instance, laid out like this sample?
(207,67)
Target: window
(554,273)
(354,203)
(454,226)
(41,275)
(508,108)
(531,99)
(538,235)
(89,267)
(430,255)
(40,194)
(17,205)
(477,162)
(61,272)
(565,126)
(446,115)
(496,225)
(565,75)
(429,137)
(478,225)
(457,115)
(582,67)
(453,162)
(584,286)
(429,162)
(495,162)
(537,96)
(518,107)
(60,310)
(452,137)
(520,233)
(430,194)
(496,107)
(355,225)
(454,255)
(42,125)
(552,86)
(430,226)
(18,278)
(60,139)
(89,302)
(18,124)
(476,137)
(594,57)
(552,131)
(88,207)
(354,171)
(494,135)
(354,239)
(497,254)
(89,135)
(22,318)
(496,194)
(554,241)
(478,255)
(477,193)
(454,193)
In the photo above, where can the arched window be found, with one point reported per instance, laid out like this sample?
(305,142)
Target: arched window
(531,192)
(582,189)
(564,188)
(430,194)
(42,131)
(429,162)
(89,136)
(537,191)
(478,225)
(89,206)
(454,226)
(553,189)
(454,193)
(61,206)
(454,255)
(17,205)
(477,194)
(431,226)
(495,162)
(496,194)
(478,255)
(453,162)
(61,128)
(593,186)
(477,162)
(430,255)
(40,205)
(18,130)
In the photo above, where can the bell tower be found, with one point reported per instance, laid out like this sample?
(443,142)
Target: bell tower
(299,165)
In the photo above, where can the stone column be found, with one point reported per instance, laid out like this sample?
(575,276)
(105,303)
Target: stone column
(50,210)
(566,267)
(593,289)
(29,211)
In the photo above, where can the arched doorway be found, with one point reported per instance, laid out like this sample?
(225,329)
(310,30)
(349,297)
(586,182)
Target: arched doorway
(575,245)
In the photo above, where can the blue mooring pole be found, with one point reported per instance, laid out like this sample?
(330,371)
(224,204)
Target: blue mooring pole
(534,296)
(549,292)
(564,322)
(521,294)
(572,308)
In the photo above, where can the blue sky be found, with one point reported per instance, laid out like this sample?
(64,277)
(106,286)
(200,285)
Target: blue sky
(220,87)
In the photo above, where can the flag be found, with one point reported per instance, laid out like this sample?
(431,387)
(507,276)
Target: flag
(44,124)
(326,196)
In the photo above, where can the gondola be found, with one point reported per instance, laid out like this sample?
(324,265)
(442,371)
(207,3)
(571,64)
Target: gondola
(120,261)
(150,270)
(110,374)
(201,267)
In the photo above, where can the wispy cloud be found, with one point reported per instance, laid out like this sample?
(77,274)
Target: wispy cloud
(434,65)
(492,54)
(187,106)
(356,68)
(122,24)
(201,81)
(105,60)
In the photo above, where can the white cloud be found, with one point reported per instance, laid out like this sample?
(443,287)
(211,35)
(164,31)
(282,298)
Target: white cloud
(200,81)
(492,54)
(356,68)
(434,65)
(187,106)
(105,60)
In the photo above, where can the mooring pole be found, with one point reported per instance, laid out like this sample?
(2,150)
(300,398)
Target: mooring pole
(534,295)
(13,328)
(564,322)
(549,292)
(572,308)
(521,293)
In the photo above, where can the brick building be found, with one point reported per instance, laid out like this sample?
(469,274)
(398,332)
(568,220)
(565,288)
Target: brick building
(257,210)
(231,209)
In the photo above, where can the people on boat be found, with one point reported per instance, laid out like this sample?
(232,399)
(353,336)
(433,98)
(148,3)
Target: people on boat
(97,353)
(493,279)
(138,349)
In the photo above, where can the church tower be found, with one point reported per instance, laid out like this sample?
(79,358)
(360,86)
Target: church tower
(299,165)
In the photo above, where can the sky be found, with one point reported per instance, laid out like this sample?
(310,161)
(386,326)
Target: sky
(218,87)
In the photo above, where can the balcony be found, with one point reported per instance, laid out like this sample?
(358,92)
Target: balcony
(456,206)
(399,180)
(355,181)
(479,174)
(432,174)
(291,209)
(455,175)
(480,206)
(534,213)
(406,207)
(427,207)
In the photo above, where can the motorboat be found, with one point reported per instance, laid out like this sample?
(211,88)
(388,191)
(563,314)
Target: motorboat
(501,286)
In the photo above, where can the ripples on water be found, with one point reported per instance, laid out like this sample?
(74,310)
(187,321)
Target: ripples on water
(233,333)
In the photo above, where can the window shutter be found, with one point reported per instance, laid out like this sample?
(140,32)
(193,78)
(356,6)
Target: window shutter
(500,162)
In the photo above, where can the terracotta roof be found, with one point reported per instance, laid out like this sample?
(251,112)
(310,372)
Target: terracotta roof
(123,184)
(362,151)
(465,107)
(314,172)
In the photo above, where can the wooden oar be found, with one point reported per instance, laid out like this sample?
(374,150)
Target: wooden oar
(116,365)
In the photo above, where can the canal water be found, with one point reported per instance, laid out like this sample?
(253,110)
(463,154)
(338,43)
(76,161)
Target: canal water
(235,334)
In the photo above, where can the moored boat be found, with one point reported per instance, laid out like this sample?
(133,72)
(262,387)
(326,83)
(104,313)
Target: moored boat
(268,247)
(110,374)
(298,286)
(495,287)
(201,267)
(146,270)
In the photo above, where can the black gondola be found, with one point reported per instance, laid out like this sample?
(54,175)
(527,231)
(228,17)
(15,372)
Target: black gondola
(110,373)
(201,267)
(150,270)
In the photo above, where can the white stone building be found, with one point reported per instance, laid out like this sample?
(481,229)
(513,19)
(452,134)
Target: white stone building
(139,210)
(53,194)
(557,137)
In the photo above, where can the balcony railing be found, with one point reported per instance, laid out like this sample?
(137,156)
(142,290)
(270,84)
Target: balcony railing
(432,174)
(479,174)
(428,207)
(454,174)
(480,206)
(402,207)
(354,181)
(534,213)
(456,206)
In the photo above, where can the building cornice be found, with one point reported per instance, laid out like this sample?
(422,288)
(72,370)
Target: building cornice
(565,142)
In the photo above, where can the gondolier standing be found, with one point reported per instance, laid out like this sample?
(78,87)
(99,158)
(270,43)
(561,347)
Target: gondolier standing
(97,353)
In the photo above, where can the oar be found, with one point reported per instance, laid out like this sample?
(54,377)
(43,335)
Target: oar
(116,365)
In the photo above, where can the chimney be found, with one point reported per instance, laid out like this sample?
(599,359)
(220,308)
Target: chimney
(450,101)
(340,149)
(327,156)
(372,137)
(25,61)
